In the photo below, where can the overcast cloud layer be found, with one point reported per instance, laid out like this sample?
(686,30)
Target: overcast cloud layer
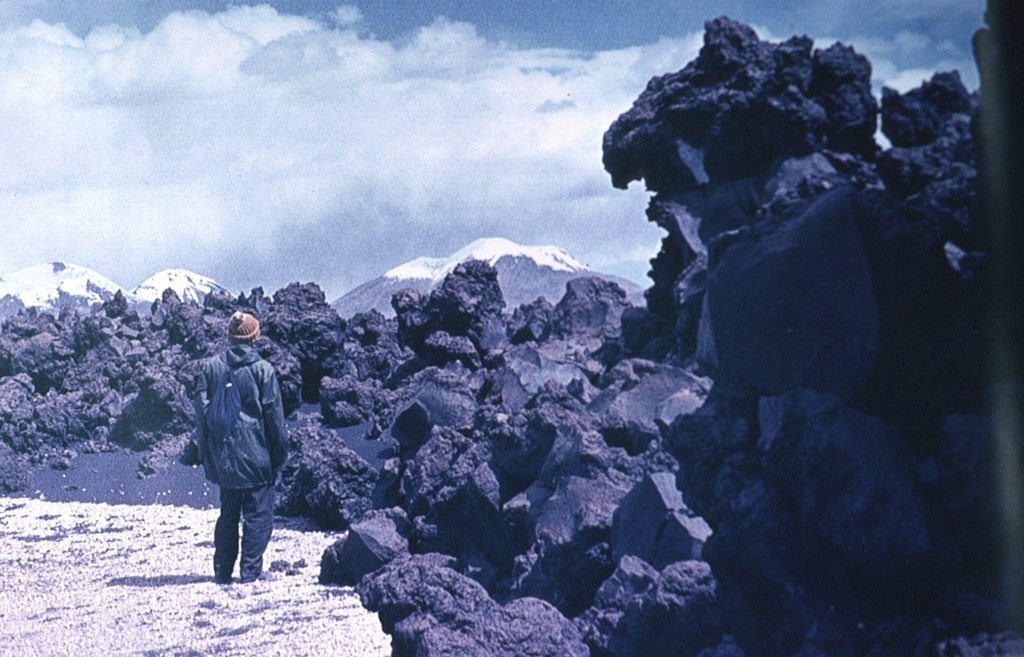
(259,147)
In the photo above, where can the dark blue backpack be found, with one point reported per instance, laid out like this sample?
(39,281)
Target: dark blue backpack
(225,405)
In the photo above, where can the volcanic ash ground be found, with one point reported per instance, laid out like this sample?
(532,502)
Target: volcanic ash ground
(95,579)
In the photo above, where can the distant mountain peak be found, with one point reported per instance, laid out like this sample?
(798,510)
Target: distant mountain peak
(524,273)
(188,285)
(50,285)
(490,250)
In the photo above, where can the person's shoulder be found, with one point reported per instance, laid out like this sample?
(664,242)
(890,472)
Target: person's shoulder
(263,370)
(263,365)
(211,362)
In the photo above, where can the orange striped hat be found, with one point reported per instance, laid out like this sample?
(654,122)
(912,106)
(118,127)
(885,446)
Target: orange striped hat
(243,328)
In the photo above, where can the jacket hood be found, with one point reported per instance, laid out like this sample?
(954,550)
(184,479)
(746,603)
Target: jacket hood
(240,355)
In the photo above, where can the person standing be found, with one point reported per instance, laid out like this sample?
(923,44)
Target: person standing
(241,454)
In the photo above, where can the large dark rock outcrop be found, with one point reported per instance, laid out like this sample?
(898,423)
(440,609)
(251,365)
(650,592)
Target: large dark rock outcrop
(832,291)
(792,305)
(740,105)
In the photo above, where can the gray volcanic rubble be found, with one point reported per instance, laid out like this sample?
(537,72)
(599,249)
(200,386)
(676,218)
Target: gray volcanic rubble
(785,453)
(506,457)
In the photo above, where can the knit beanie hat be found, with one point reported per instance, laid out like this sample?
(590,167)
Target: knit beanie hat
(243,328)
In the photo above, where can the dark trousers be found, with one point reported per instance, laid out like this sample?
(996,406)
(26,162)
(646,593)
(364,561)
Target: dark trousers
(255,507)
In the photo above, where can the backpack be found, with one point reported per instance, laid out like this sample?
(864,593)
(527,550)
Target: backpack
(225,405)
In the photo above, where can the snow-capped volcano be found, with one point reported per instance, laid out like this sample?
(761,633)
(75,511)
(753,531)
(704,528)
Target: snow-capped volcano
(189,286)
(490,250)
(53,285)
(524,273)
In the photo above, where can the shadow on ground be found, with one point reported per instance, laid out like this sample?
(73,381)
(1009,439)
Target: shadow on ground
(160,580)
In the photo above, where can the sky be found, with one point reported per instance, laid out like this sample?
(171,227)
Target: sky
(261,143)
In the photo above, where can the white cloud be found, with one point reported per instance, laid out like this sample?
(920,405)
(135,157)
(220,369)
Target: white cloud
(261,148)
(909,58)
(347,15)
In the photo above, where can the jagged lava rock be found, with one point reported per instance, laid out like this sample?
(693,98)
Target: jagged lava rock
(454,500)
(653,523)
(17,413)
(161,407)
(919,116)
(288,369)
(467,304)
(438,398)
(521,441)
(369,348)
(530,322)
(839,296)
(570,555)
(347,401)
(301,321)
(740,105)
(325,480)
(34,343)
(793,305)
(644,333)
(851,479)
(359,387)
(639,611)
(932,164)
(707,138)
(380,537)
(591,309)
(186,324)
(14,473)
(430,610)
(529,367)
(639,395)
